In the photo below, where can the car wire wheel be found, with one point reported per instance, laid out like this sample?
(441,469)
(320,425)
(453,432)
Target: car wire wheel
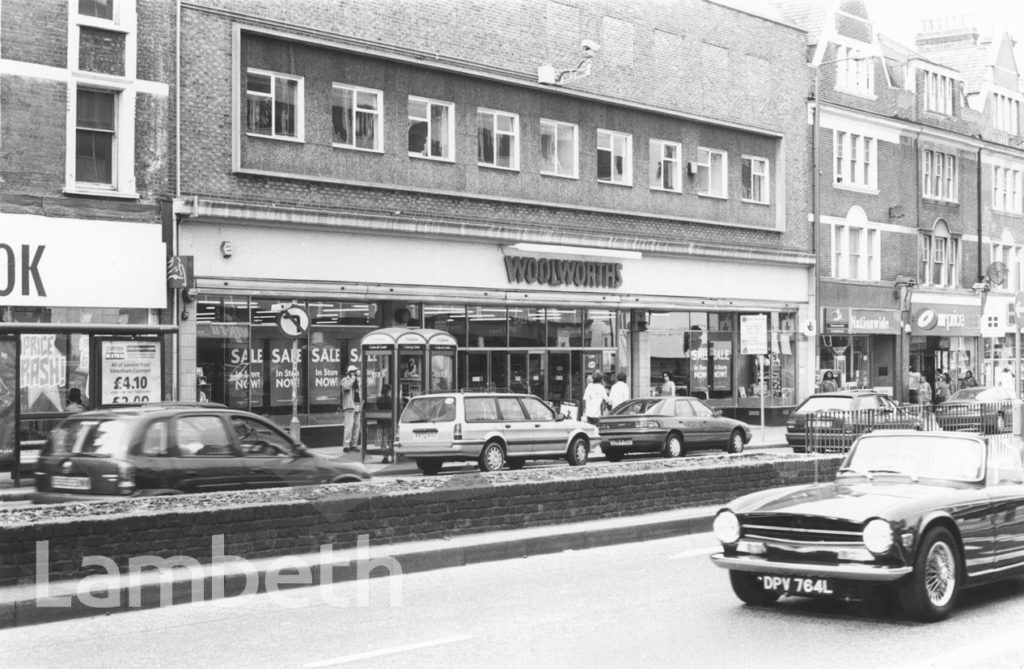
(940,574)
(929,593)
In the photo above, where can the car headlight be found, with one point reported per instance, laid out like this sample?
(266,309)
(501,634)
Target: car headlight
(877,536)
(726,527)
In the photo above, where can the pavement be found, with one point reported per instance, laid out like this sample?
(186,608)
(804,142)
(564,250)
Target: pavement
(62,600)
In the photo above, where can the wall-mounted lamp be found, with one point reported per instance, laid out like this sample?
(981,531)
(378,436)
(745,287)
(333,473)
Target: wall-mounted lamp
(189,295)
(227,249)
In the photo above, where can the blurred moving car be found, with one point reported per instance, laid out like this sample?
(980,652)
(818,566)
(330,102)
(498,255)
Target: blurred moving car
(837,418)
(492,428)
(671,426)
(169,448)
(981,409)
(909,513)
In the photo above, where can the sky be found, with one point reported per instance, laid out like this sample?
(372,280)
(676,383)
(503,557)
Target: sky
(899,19)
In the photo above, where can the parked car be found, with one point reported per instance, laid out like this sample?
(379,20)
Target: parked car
(671,426)
(981,409)
(837,418)
(909,513)
(168,448)
(490,428)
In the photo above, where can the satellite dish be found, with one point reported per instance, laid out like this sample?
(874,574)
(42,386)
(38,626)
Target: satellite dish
(996,273)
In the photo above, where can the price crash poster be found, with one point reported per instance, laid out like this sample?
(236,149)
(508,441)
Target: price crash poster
(131,372)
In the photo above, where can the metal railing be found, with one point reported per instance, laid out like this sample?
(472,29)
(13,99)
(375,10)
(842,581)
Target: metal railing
(835,431)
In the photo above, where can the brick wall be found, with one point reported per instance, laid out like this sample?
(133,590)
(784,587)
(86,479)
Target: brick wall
(389,515)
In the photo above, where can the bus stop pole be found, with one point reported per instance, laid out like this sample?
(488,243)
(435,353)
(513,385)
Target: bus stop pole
(295,428)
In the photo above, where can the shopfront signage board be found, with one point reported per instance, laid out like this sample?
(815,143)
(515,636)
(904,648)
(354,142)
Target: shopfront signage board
(130,371)
(754,334)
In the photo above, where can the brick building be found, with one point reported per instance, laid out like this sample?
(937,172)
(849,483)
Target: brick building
(396,164)
(85,175)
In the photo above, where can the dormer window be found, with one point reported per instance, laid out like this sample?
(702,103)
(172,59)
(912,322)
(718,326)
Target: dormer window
(1007,113)
(938,93)
(854,73)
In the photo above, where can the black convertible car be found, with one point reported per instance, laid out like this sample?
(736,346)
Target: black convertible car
(919,515)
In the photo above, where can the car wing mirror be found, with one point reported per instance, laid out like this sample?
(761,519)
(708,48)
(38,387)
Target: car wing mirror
(718,412)
(302,451)
(559,417)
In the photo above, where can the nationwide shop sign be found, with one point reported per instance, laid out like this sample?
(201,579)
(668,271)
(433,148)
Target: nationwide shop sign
(941,320)
(877,321)
(836,319)
(130,372)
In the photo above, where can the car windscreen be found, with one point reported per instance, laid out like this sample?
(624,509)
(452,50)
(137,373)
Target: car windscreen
(825,403)
(93,437)
(932,456)
(429,410)
(970,395)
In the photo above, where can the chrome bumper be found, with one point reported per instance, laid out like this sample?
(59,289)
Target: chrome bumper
(845,571)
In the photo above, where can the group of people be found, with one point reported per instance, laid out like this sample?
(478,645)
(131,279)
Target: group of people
(923,392)
(599,399)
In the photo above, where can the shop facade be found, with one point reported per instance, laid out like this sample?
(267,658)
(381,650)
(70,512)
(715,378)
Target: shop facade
(81,308)
(945,338)
(536,320)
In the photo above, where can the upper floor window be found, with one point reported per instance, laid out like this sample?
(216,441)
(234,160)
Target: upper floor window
(854,74)
(356,117)
(1010,255)
(497,139)
(711,171)
(99,9)
(1007,190)
(431,129)
(1007,113)
(855,159)
(940,258)
(855,252)
(666,165)
(96,137)
(559,148)
(755,179)
(614,157)
(940,175)
(273,105)
(938,92)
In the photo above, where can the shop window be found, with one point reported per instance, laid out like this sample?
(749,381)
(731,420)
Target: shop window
(273,105)
(526,327)
(614,157)
(447,318)
(431,129)
(565,327)
(559,149)
(711,173)
(356,115)
(598,328)
(487,327)
(52,364)
(666,166)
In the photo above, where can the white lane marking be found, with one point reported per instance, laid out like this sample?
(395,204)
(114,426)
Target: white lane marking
(974,654)
(693,552)
(388,651)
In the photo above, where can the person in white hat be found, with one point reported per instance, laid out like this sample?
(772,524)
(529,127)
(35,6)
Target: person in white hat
(349,399)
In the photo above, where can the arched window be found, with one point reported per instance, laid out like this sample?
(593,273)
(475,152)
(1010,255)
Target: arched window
(1006,252)
(855,248)
(940,257)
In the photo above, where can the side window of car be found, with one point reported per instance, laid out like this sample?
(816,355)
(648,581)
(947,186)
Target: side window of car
(536,409)
(481,410)
(684,409)
(702,410)
(202,436)
(511,409)
(885,404)
(154,441)
(259,438)
(1004,465)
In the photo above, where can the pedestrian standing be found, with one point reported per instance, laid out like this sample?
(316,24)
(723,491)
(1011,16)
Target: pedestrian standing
(1006,380)
(594,398)
(668,386)
(942,387)
(969,381)
(914,384)
(828,382)
(924,391)
(619,392)
(348,406)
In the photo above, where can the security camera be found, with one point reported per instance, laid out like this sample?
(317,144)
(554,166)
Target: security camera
(590,47)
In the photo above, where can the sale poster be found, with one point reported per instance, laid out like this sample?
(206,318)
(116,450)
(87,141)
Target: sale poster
(325,374)
(130,372)
(285,371)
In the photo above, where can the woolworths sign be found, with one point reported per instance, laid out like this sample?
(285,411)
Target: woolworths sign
(569,273)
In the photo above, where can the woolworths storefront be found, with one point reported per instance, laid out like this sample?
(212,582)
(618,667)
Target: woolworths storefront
(529,317)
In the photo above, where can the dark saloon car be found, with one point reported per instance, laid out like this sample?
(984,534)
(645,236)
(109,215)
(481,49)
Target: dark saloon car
(917,515)
(988,410)
(837,418)
(670,426)
(160,449)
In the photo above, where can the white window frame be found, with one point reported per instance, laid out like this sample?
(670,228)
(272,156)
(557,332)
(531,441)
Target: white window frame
(377,114)
(1007,252)
(863,265)
(619,147)
(705,171)
(123,11)
(122,169)
(299,104)
(448,151)
(854,75)
(1007,113)
(938,92)
(763,175)
(496,132)
(1008,189)
(947,254)
(855,160)
(662,162)
(940,175)
(556,130)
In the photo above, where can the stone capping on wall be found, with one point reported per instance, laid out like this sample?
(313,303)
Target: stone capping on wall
(386,511)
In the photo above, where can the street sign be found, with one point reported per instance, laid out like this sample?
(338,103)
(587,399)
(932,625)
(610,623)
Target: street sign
(754,334)
(293,321)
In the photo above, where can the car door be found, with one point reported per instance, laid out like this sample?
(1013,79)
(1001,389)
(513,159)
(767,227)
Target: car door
(1005,486)
(269,456)
(520,437)
(206,458)
(684,418)
(549,434)
(717,428)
